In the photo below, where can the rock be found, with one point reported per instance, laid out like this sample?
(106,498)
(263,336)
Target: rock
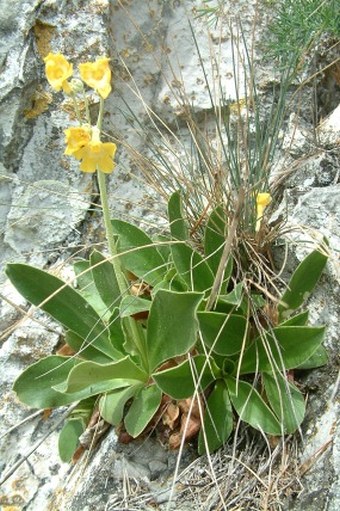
(36,478)
(99,484)
(329,129)
(33,230)
(314,212)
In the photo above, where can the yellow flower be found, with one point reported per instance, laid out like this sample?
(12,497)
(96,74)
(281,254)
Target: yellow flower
(262,201)
(83,142)
(58,70)
(97,155)
(97,75)
(76,138)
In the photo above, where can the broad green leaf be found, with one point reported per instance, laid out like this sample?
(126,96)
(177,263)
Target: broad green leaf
(111,405)
(257,300)
(74,426)
(94,378)
(84,350)
(251,408)
(189,263)
(87,288)
(171,282)
(302,283)
(218,419)
(162,243)
(215,235)
(286,401)
(191,266)
(143,407)
(178,226)
(172,325)
(117,336)
(140,257)
(84,410)
(224,333)
(298,320)
(133,305)
(68,440)
(105,279)
(62,302)
(179,382)
(35,385)
(318,359)
(234,297)
(289,347)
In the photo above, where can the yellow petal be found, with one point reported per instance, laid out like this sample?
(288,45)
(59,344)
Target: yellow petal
(76,137)
(57,70)
(97,75)
(263,199)
(88,166)
(104,92)
(106,165)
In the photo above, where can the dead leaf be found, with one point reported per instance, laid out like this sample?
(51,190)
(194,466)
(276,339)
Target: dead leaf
(170,416)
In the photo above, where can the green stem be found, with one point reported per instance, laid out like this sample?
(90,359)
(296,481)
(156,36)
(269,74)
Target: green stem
(76,107)
(101,113)
(133,329)
(87,109)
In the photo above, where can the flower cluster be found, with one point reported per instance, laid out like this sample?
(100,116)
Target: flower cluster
(83,142)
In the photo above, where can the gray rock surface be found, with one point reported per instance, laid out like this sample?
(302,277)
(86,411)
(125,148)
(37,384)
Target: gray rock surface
(46,215)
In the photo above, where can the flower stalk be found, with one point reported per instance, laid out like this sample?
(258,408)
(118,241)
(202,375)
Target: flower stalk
(84,143)
(133,329)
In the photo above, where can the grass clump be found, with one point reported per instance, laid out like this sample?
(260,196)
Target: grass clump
(299,26)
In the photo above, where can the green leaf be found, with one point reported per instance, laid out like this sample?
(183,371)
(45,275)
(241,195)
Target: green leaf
(257,300)
(62,302)
(251,408)
(234,297)
(218,420)
(68,441)
(172,325)
(171,282)
(318,359)
(179,382)
(298,320)
(111,406)
(189,263)
(35,384)
(142,409)
(105,280)
(191,266)
(133,305)
(162,243)
(74,426)
(117,336)
(84,350)
(87,288)
(140,257)
(302,282)
(178,226)
(92,378)
(286,401)
(215,235)
(224,333)
(290,346)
